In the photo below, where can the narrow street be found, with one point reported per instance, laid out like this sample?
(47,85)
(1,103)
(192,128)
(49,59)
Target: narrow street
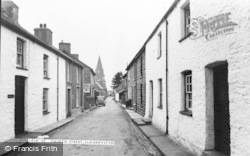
(109,123)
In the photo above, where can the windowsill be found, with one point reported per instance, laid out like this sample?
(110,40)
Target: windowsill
(45,112)
(47,78)
(22,68)
(186,112)
(183,38)
(159,107)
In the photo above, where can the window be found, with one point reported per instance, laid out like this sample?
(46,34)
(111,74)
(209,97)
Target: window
(77,96)
(141,66)
(68,67)
(77,74)
(141,94)
(20,53)
(45,100)
(159,45)
(135,75)
(186,11)
(45,66)
(160,93)
(188,90)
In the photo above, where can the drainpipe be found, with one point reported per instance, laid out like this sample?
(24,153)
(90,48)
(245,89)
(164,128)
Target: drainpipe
(57,94)
(167,77)
(82,94)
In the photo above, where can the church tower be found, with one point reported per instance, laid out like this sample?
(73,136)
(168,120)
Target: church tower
(100,77)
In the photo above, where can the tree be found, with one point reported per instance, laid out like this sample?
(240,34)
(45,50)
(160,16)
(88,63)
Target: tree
(117,80)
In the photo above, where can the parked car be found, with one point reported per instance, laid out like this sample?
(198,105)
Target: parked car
(101,100)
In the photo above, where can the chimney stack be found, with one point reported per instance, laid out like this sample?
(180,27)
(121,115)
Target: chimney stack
(64,47)
(44,34)
(76,56)
(10,10)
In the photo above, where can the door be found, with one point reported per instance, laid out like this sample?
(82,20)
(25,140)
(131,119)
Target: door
(151,99)
(19,104)
(69,102)
(77,97)
(135,99)
(221,109)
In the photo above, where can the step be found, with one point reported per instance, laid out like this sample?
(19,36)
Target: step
(212,153)
(148,121)
(139,121)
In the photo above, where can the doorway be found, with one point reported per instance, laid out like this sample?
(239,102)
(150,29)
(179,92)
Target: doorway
(218,117)
(19,104)
(69,102)
(135,99)
(151,99)
(221,109)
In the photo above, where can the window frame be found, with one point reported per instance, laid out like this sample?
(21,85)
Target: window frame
(68,72)
(141,66)
(77,75)
(45,99)
(77,97)
(20,52)
(45,68)
(159,51)
(187,91)
(186,12)
(160,90)
(141,87)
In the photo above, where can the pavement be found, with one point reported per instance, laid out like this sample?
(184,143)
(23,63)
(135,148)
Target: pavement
(23,139)
(163,142)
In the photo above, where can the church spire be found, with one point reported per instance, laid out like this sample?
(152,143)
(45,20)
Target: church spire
(100,73)
(99,68)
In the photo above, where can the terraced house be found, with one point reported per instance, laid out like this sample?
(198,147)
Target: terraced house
(136,83)
(89,87)
(39,83)
(198,76)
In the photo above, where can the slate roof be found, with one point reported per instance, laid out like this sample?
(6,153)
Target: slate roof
(8,23)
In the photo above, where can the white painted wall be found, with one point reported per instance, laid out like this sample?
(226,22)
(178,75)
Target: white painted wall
(195,55)
(156,69)
(62,89)
(34,117)
(7,84)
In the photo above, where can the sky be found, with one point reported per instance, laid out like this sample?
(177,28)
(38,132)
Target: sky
(115,30)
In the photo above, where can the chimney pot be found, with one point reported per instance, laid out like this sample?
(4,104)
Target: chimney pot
(44,34)
(76,56)
(65,47)
(10,9)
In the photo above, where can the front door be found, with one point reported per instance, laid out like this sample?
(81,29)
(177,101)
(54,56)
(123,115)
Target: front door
(19,104)
(135,99)
(69,102)
(221,109)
